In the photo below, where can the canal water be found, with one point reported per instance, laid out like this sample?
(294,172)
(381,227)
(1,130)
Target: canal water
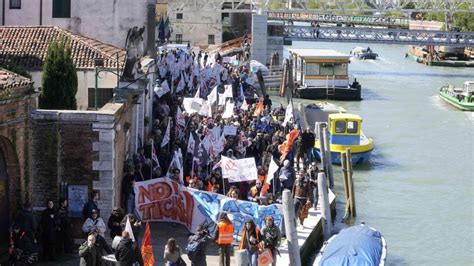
(418,187)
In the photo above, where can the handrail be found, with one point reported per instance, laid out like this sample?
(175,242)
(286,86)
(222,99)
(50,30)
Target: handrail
(237,42)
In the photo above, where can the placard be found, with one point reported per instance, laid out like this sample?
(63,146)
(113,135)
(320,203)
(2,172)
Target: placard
(77,197)
(230,131)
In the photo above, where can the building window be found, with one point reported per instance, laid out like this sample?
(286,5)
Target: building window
(61,8)
(179,15)
(312,69)
(210,39)
(15,4)
(103,97)
(179,38)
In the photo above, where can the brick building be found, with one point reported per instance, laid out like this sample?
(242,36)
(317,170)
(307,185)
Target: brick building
(17,100)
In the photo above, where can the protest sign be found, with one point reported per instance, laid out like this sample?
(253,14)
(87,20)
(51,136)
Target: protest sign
(239,170)
(230,131)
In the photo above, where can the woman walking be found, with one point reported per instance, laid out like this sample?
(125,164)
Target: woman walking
(172,254)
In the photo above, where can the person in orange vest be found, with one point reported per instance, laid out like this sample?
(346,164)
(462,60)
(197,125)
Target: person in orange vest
(224,236)
(250,241)
(257,192)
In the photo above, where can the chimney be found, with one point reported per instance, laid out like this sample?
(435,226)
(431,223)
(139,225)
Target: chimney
(151,28)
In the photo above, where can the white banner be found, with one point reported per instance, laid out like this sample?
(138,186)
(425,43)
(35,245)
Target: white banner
(239,170)
(230,131)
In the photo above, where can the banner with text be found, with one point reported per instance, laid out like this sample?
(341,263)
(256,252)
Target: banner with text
(162,199)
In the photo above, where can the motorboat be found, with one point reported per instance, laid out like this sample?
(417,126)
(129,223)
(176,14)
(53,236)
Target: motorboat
(364,53)
(461,98)
(345,132)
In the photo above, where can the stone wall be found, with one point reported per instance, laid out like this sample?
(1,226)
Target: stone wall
(80,148)
(259,45)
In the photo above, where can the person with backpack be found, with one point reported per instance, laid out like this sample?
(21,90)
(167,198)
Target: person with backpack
(197,245)
(250,241)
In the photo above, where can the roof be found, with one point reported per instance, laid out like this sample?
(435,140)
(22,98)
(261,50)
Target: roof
(26,47)
(344,116)
(319,53)
(10,80)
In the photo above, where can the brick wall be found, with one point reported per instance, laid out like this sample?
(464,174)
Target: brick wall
(80,148)
(14,142)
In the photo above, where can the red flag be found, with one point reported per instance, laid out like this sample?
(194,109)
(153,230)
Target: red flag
(285,148)
(147,249)
(259,108)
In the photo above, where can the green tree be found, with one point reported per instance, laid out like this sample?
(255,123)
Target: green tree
(59,83)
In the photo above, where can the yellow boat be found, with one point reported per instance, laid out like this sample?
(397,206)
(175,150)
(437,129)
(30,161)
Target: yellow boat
(345,132)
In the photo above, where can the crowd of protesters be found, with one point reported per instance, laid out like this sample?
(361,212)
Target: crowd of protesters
(262,132)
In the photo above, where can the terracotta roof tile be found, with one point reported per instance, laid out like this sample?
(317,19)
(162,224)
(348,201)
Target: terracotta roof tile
(10,80)
(27,46)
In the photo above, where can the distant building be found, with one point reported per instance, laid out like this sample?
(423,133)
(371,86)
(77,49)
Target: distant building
(200,28)
(26,47)
(106,21)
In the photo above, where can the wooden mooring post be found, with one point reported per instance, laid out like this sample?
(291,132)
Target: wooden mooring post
(325,149)
(325,207)
(346,158)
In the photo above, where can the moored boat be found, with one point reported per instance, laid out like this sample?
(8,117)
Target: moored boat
(323,74)
(461,98)
(345,132)
(356,245)
(364,53)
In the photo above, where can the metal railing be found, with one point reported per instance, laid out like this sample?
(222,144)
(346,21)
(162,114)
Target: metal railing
(377,35)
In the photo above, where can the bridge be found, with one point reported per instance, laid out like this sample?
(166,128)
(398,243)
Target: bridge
(378,35)
(324,6)
(338,18)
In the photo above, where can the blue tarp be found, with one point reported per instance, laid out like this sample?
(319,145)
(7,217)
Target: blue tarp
(356,245)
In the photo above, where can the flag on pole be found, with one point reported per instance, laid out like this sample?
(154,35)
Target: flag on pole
(288,113)
(212,97)
(166,138)
(177,163)
(147,249)
(191,144)
(244,106)
(180,120)
(241,94)
(271,170)
(153,155)
(259,108)
(198,93)
(128,228)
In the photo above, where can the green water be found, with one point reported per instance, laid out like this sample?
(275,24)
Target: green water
(418,187)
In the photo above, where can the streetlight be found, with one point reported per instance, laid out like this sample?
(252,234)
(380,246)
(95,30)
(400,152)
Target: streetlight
(99,63)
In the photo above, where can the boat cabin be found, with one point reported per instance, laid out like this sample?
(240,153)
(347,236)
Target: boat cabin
(468,88)
(344,129)
(320,68)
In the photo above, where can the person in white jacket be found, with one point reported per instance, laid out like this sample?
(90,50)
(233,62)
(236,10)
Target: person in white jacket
(94,222)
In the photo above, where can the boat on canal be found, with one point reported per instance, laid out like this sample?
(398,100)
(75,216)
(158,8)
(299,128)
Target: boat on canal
(323,74)
(364,53)
(356,245)
(345,132)
(461,98)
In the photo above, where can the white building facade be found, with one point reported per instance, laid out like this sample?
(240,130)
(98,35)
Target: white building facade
(199,27)
(106,21)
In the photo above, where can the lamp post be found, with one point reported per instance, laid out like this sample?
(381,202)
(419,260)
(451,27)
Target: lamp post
(99,63)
